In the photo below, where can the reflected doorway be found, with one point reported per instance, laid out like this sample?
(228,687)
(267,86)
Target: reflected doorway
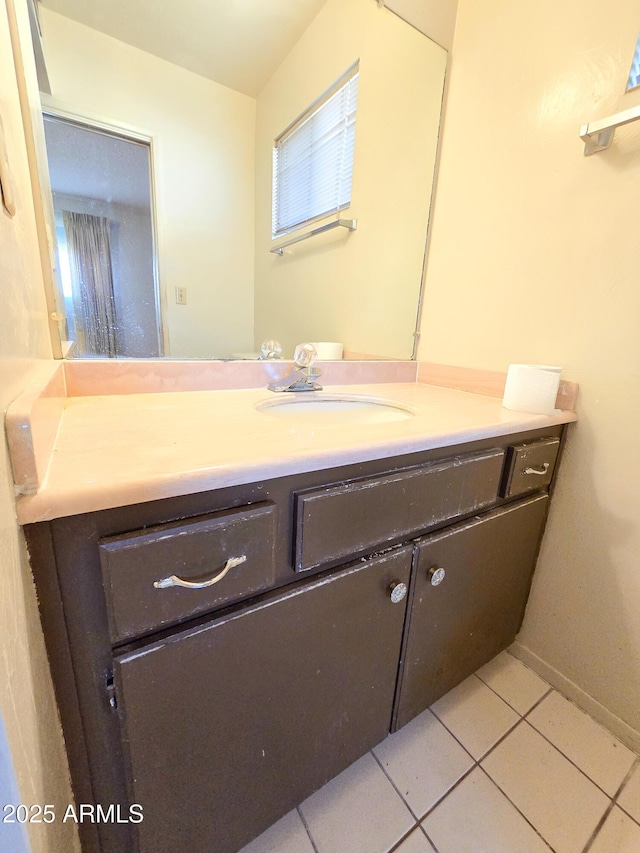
(106,258)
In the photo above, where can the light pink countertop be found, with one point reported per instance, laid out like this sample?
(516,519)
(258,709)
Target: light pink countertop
(119,449)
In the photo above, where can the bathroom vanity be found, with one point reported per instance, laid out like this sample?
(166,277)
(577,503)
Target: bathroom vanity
(219,656)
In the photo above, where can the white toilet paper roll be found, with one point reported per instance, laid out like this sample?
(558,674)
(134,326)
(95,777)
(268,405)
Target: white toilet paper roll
(328,350)
(531,388)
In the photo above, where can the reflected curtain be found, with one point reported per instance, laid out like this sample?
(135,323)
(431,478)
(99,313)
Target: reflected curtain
(89,249)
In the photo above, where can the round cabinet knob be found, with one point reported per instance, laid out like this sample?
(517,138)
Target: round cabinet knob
(397,592)
(436,575)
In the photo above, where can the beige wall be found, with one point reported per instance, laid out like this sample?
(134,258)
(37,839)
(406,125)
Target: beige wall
(535,257)
(204,157)
(359,289)
(27,704)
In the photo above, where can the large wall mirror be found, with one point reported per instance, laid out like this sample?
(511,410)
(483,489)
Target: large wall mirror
(160,130)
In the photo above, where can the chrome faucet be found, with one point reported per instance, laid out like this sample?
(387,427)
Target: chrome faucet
(303,374)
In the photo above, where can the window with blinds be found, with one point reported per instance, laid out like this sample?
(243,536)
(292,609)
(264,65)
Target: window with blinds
(313,159)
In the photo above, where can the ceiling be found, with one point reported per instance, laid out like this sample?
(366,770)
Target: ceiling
(238,43)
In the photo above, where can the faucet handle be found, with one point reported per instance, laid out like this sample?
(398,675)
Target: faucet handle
(303,375)
(304,356)
(271,349)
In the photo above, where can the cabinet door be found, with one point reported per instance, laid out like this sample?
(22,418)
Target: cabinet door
(231,724)
(459,624)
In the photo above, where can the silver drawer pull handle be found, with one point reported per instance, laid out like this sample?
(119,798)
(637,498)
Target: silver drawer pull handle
(540,469)
(174,580)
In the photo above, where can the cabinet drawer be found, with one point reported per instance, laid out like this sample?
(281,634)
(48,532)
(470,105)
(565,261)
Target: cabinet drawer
(529,467)
(336,522)
(164,574)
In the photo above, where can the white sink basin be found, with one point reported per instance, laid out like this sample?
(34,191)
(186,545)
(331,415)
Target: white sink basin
(320,407)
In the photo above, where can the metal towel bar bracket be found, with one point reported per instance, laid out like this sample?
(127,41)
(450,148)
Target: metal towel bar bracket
(351,224)
(598,135)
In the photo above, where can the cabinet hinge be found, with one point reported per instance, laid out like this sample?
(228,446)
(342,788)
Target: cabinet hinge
(111,691)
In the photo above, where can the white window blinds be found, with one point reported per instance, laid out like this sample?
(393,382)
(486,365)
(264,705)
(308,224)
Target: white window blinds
(313,159)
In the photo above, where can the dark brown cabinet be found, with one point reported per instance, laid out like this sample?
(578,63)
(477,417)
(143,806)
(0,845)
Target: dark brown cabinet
(230,724)
(218,657)
(470,589)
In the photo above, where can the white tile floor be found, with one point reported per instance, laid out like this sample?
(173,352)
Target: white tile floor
(501,764)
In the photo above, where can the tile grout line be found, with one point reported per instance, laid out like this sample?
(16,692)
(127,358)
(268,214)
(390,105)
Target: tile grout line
(634,767)
(493,782)
(630,816)
(539,702)
(449,791)
(395,787)
(493,745)
(441,798)
(573,764)
(418,820)
(599,826)
(403,839)
(520,713)
(308,831)
(477,762)
(570,760)
(614,802)
(522,815)
(635,763)
(612,805)
(416,824)
(429,839)
(459,781)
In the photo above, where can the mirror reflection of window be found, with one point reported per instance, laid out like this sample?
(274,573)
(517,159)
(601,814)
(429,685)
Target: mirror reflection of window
(313,159)
(65,276)
(102,203)
(634,74)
